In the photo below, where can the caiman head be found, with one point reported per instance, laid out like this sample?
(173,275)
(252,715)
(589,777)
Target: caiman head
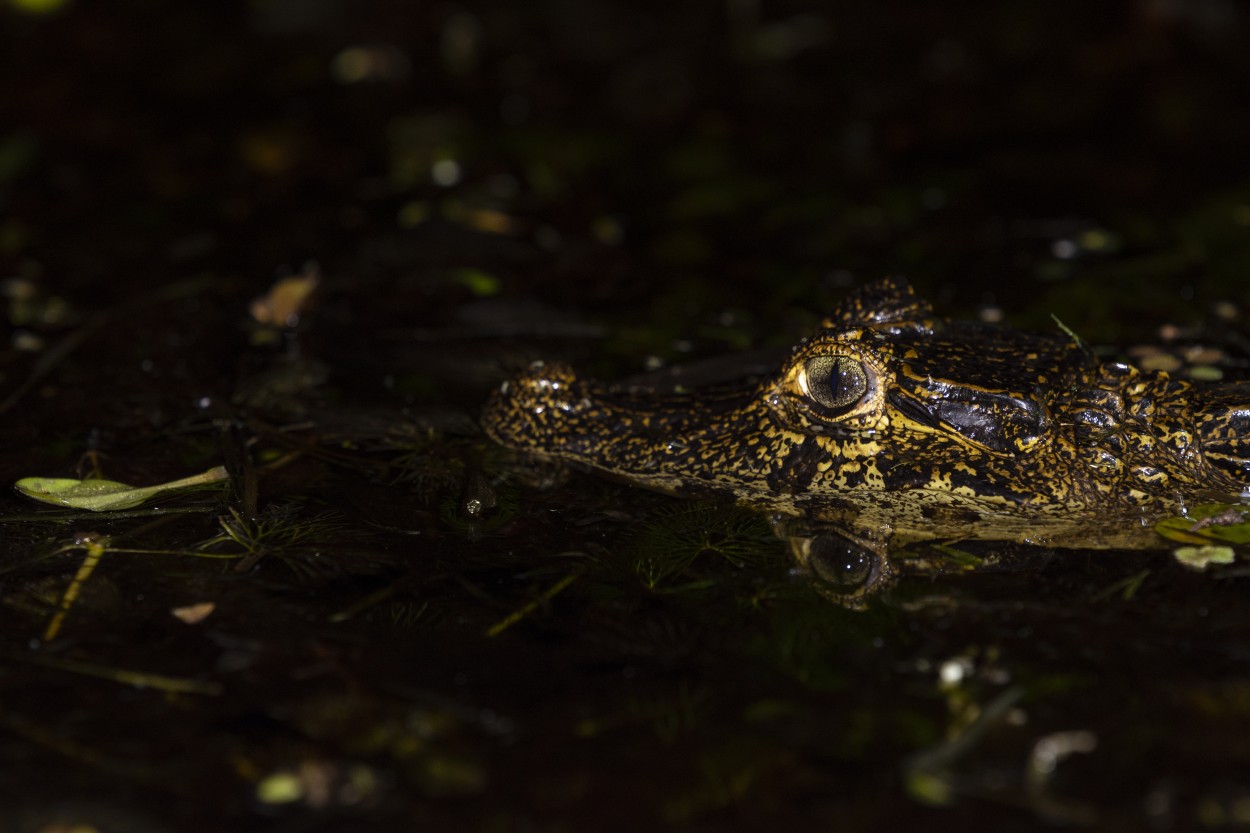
(891,425)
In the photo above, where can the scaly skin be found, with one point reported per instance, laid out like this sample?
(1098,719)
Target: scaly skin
(891,426)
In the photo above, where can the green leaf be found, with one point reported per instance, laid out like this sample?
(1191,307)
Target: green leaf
(1199,558)
(480,283)
(1208,523)
(97,495)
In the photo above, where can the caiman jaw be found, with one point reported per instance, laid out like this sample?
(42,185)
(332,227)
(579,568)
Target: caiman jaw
(675,443)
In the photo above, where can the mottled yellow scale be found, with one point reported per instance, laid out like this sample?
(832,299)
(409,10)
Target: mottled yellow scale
(892,425)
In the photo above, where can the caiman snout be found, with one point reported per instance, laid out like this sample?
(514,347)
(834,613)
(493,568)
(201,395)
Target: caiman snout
(658,440)
(547,408)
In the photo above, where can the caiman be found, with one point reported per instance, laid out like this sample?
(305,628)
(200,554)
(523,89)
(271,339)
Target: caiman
(892,426)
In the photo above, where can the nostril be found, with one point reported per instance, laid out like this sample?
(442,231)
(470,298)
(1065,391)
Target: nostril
(550,374)
(536,406)
(546,384)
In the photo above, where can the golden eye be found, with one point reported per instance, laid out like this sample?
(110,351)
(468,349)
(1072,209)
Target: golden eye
(835,382)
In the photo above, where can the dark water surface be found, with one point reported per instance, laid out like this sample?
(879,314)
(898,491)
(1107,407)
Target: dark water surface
(623,186)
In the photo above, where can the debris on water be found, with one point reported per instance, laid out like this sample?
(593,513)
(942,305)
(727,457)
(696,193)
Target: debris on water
(1199,558)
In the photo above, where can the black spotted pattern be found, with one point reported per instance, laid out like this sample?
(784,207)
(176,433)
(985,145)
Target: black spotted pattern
(967,430)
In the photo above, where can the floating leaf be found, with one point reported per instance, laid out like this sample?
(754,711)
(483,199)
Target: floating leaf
(287,299)
(193,614)
(96,495)
(481,283)
(1199,558)
(1209,523)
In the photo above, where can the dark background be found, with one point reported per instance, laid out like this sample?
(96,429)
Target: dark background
(623,185)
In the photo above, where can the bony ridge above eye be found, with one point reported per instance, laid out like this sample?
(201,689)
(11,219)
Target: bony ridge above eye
(835,382)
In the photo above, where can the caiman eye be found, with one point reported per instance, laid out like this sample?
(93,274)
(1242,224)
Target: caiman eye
(835,382)
(841,566)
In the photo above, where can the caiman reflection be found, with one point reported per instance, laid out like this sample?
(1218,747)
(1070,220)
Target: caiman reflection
(891,426)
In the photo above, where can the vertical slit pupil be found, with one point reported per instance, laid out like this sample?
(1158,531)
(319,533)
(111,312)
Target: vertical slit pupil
(836,382)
